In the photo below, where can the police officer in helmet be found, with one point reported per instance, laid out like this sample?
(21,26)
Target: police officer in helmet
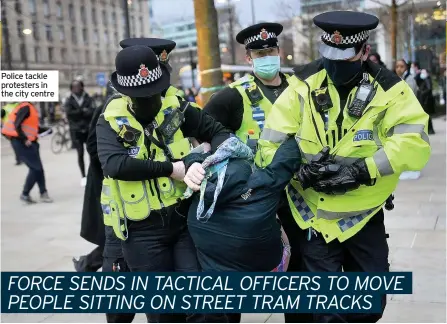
(358,127)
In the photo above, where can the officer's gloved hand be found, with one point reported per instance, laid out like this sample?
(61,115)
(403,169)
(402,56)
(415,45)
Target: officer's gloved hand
(347,178)
(321,166)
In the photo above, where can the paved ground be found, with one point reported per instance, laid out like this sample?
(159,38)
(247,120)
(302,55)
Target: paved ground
(44,237)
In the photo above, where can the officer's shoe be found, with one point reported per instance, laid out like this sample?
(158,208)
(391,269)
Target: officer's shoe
(45,198)
(27,199)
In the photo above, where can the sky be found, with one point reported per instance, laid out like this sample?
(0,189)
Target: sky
(265,10)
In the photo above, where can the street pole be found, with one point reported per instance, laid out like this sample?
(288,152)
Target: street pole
(191,62)
(126,18)
(231,36)
(394,31)
(5,32)
(208,50)
(253,19)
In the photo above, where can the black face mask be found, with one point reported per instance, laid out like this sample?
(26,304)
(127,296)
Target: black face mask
(147,108)
(342,73)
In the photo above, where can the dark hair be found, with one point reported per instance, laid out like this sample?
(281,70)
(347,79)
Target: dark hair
(80,83)
(415,63)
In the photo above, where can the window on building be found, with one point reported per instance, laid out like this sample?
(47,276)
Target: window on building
(64,55)
(71,13)
(23,52)
(35,28)
(85,35)
(20,28)
(116,38)
(48,33)
(95,36)
(50,54)
(106,37)
(32,6)
(87,57)
(37,56)
(113,19)
(94,18)
(83,15)
(104,17)
(18,7)
(59,10)
(74,35)
(75,58)
(61,33)
(98,57)
(141,25)
(46,8)
(191,26)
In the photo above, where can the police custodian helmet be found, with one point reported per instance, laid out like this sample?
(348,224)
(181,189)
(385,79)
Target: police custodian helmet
(260,36)
(344,32)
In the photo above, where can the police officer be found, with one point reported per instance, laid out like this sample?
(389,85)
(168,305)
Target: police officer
(243,106)
(141,141)
(358,126)
(6,110)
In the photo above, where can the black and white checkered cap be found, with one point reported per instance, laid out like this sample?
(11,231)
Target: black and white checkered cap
(258,37)
(137,80)
(348,40)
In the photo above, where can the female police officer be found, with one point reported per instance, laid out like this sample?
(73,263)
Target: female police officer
(141,141)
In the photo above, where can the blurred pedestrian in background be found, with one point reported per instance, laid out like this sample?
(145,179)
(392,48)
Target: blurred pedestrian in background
(425,96)
(22,128)
(79,108)
(6,110)
(402,69)
(375,57)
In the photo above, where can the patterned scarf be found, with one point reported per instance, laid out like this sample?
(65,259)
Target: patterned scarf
(232,148)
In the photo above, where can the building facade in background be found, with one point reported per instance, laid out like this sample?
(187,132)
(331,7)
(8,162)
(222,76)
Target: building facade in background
(80,38)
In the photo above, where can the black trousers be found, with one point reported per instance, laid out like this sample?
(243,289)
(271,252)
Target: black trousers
(161,243)
(31,157)
(367,251)
(294,233)
(79,139)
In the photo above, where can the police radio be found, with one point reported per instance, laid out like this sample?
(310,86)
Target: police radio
(322,100)
(253,94)
(172,122)
(363,96)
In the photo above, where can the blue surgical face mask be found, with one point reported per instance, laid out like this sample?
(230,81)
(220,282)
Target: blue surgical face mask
(342,72)
(423,76)
(266,67)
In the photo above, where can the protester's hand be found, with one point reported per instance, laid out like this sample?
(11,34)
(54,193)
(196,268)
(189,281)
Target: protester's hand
(178,171)
(206,147)
(28,143)
(195,176)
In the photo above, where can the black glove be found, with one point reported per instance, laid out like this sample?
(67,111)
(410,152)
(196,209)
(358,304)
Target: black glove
(348,177)
(319,168)
(192,158)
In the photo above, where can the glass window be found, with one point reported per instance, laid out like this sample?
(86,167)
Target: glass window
(20,28)
(32,6)
(113,19)
(83,16)
(50,54)
(94,18)
(85,35)
(141,25)
(35,28)
(75,58)
(59,10)
(74,37)
(87,57)
(61,33)
(95,36)
(71,12)
(64,55)
(23,52)
(104,17)
(46,8)
(98,57)
(106,37)
(37,56)
(18,7)
(116,38)
(48,33)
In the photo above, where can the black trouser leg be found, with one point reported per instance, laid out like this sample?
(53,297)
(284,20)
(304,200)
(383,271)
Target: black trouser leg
(293,232)
(80,139)
(113,254)
(368,251)
(431,130)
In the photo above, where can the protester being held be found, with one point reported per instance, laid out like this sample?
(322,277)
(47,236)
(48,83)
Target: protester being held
(79,108)
(22,128)
(233,220)
(425,96)
(375,58)
(403,71)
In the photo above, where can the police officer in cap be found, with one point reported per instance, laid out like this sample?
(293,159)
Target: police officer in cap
(141,141)
(358,127)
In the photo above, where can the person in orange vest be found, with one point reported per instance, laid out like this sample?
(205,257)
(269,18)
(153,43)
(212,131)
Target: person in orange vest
(22,128)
